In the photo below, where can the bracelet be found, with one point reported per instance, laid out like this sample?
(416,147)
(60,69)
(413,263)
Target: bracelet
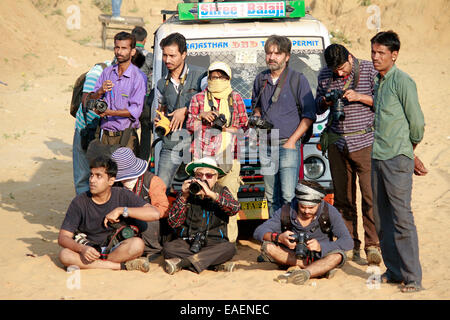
(277,238)
(274,237)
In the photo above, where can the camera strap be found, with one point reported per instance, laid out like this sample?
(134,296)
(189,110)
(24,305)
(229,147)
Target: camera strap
(354,80)
(180,86)
(280,84)
(277,92)
(259,95)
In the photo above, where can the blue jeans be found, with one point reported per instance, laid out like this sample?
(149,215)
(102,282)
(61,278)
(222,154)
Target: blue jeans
(81,170)
(116,7)
(170,160)
(281,180)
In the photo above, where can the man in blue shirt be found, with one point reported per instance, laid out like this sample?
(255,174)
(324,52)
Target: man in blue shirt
(276,100)
(80,162)
(307,217)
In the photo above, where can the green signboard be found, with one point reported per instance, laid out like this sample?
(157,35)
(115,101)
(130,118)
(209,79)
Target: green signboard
(241,10)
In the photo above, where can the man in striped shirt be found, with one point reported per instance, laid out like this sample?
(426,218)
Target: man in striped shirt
(350,141)
(81,169)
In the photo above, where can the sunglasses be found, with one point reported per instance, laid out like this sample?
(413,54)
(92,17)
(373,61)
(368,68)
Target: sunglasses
(200,175)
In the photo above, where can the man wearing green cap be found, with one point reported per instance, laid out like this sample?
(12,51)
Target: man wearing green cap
(199,217)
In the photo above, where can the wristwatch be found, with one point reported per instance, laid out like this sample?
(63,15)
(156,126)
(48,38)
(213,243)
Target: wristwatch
(125,213)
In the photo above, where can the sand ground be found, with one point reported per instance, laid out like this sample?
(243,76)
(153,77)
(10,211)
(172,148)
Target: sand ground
(40,60)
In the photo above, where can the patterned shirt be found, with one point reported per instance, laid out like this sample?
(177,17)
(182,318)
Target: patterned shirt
(177,213)
(358,116)
(208,142)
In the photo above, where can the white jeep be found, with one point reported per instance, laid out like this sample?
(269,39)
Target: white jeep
(235,32)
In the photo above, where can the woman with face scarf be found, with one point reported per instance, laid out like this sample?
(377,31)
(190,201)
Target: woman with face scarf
(217,117)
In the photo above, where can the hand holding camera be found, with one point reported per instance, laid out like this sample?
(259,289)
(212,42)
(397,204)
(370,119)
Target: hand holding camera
(335,97)
(162,125)
(90,254)
(208,116)
(197,187)
(287,239)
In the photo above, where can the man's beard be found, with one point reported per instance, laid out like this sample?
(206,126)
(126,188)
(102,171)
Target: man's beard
(122,59)
(276,66)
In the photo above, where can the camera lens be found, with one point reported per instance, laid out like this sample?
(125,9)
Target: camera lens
(101,106)
(195,188)
(160,131)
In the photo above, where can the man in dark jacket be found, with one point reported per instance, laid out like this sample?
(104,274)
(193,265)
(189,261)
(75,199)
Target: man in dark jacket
(173,95)
(319,254)
(282,98)
(199,217)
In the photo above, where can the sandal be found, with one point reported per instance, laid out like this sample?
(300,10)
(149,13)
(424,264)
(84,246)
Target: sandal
(411,287)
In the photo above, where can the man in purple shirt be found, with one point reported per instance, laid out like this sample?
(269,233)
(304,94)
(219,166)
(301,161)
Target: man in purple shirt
(350,141)
(123,88)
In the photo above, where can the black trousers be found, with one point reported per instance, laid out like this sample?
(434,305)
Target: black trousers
(392,187)
(215,252)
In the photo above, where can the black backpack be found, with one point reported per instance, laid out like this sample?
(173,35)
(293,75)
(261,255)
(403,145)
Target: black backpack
(77,93)
(324,220)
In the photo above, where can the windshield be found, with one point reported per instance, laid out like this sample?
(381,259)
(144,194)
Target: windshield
(246,58)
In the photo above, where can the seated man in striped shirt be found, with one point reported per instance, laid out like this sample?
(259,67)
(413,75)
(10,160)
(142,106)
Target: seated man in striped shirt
(199,217)
(350,140)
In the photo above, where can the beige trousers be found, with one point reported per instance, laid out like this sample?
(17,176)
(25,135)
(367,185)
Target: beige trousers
(232,181)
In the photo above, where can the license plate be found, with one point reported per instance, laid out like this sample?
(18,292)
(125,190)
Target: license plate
(254,210)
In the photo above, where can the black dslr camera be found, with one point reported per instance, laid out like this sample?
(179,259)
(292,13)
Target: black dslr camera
(257,122)
(98,105)
(219,122)
(301,250)
(197,242)
(194,188)
(337,110)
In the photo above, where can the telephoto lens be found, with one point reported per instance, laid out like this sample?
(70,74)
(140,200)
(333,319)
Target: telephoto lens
(195,188)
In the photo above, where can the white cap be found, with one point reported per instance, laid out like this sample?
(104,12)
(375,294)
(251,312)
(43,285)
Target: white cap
(219,65)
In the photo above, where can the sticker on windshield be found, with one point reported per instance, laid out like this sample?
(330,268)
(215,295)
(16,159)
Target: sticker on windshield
(247,56)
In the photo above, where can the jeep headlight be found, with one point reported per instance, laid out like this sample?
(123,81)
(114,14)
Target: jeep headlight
(313,168)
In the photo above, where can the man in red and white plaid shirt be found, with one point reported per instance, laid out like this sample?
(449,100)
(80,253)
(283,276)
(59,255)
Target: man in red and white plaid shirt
(220,142)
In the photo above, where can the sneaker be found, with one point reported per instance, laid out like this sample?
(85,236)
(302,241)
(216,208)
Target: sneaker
(172,265)
(140,264)
(226,267)
(373,256)
(297,277)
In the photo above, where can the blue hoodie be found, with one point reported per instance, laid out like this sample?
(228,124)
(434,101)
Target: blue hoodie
(343,242)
